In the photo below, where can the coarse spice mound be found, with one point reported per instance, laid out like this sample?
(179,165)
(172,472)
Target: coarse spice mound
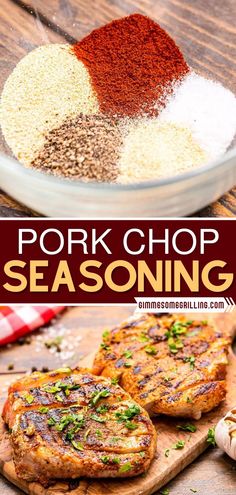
(86,147)
(132,63)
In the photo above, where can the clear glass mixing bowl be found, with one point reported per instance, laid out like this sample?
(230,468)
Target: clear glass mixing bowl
(194,25)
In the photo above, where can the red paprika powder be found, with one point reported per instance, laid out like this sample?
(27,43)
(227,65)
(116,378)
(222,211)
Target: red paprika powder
(132,63)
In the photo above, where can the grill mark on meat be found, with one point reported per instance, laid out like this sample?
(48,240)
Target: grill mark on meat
(173,398)
(195,347)
(148,378)
(143,382)
(120,363)
(157,337)
(111,356)
(206,387)
(49,435)
(137,369)
(204,364)
(144,395)
(87,379)
(132,324)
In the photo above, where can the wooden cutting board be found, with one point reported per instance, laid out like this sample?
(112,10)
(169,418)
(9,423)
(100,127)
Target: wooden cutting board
(163,468)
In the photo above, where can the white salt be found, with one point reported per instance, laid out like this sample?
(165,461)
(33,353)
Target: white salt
(207,109)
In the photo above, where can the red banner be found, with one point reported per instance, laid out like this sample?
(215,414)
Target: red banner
(115,261)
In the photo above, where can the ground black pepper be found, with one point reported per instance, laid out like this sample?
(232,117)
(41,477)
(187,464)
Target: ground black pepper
(85,147)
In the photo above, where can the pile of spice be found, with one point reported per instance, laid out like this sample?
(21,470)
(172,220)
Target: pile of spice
(132,63)
(86,146)
(157,150)
(121,105)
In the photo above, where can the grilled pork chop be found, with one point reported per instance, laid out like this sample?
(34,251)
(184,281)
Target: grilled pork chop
(67,424)
(168,365)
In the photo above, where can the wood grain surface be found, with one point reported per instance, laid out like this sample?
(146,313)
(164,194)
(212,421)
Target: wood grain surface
(205,31)
(212,473)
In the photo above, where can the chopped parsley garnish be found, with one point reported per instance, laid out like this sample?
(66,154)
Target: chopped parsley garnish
(167,452)
(51,389)
(143,338)
(172,347)
(77,445)
(43,410)
(114,380)
(167,378)
(127,365)
(102,409)
(87,434)
(130,425)
(128,354)
(51,422)
(142,454)
(105,334)
(99,395)
(150,349)
(76,419)
(105,459)
(191,360)
(70,434)
(211,437)
(187,427)
(189,401)
(104,346)
(179,445)
(175,345)
(126,467)
(97,418)
(29,398)
(176,329)
(174,342)
(116,460)
(128,413)
(165,491)
(98,433)
(67,386)
(59,398)
(61,387)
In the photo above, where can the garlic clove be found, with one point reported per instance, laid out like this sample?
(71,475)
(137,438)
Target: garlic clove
(225,433)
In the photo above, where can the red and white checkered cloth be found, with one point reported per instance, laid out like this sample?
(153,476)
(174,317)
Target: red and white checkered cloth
(17,321)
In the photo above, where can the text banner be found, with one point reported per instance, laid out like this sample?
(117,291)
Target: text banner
(115,261)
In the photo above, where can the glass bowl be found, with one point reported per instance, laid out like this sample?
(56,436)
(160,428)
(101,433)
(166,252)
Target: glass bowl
(194,26)
(173,197)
